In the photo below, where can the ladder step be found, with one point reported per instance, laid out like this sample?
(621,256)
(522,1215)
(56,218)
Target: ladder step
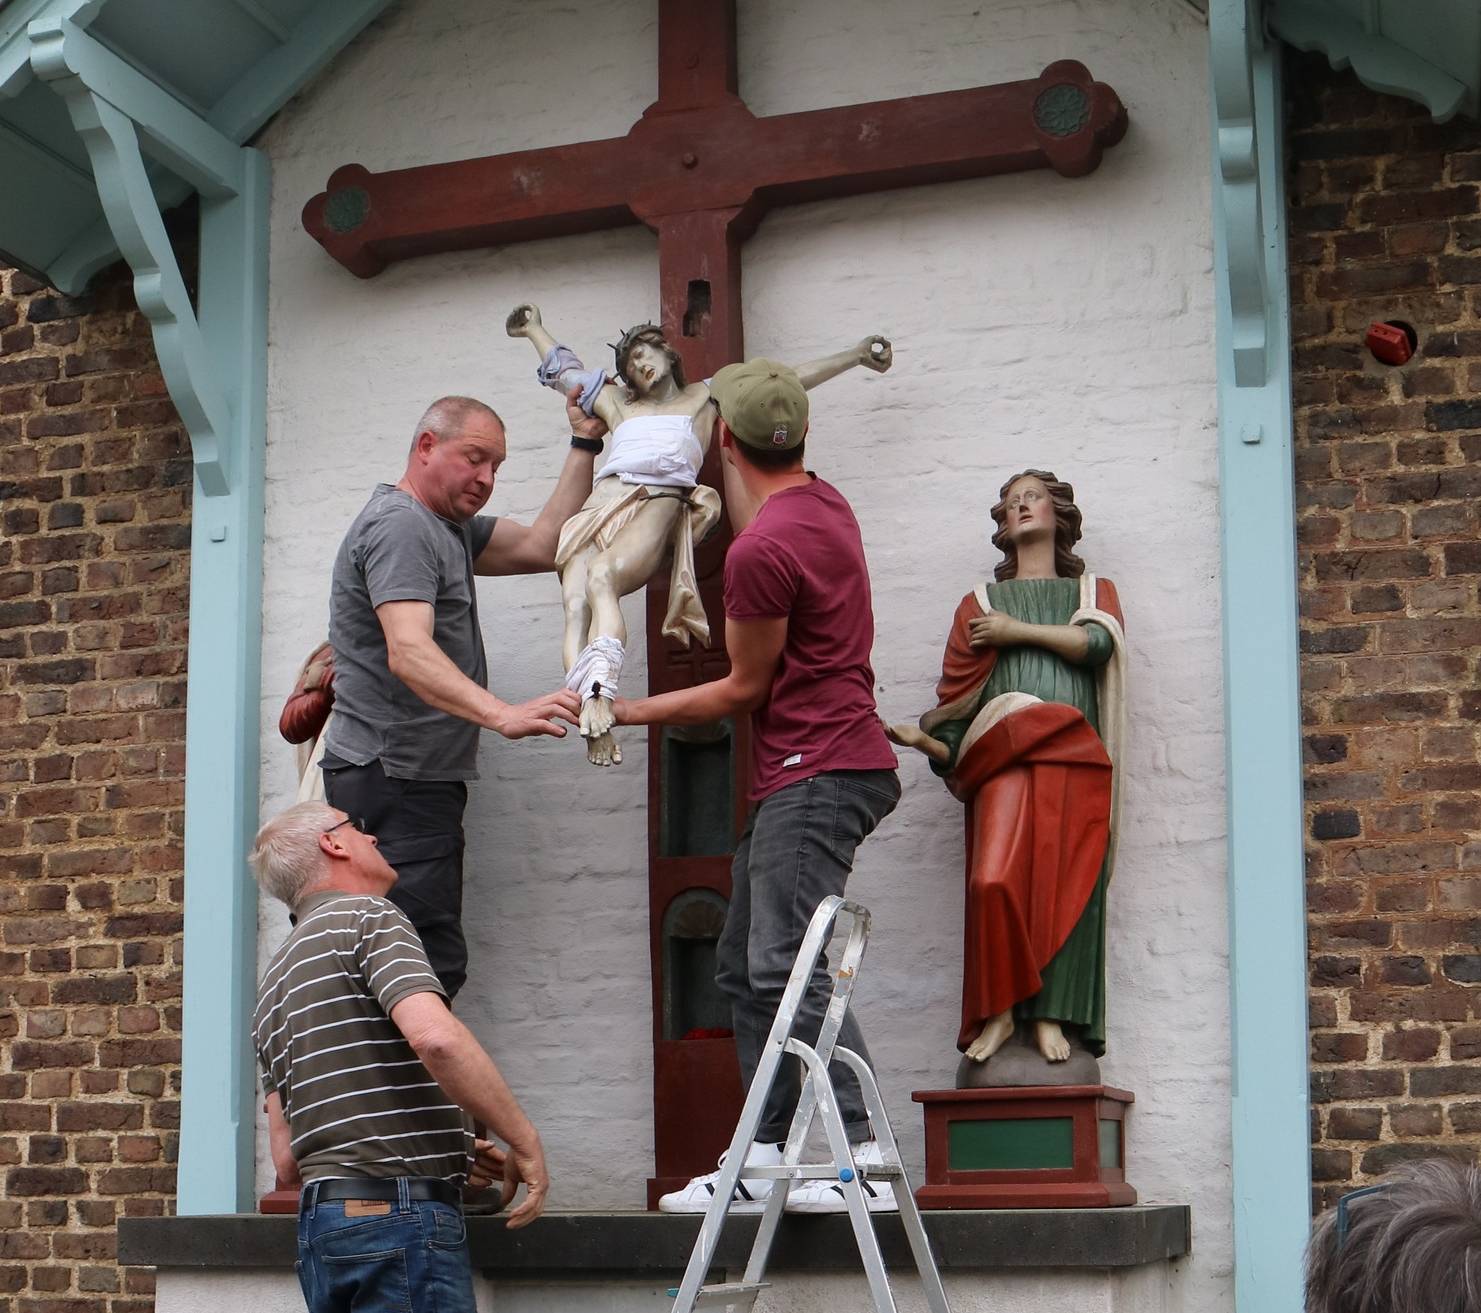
(732,1292)
(821,1172)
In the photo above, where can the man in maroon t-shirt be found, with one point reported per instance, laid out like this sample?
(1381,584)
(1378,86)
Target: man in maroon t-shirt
(799,628)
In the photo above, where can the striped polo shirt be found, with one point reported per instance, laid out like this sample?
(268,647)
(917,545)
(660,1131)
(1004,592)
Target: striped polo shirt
(357,1098)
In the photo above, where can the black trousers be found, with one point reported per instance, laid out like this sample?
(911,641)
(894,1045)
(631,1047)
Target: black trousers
(419,826)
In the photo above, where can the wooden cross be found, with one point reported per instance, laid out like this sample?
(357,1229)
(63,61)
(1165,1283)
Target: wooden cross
(700,170)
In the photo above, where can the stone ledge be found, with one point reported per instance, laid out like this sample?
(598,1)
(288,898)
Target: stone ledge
(638,1244)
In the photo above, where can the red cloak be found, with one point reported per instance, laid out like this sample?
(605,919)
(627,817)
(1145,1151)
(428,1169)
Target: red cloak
(1037,790)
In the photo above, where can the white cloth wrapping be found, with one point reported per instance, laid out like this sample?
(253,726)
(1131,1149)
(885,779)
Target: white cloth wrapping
(659,450)
(597,668)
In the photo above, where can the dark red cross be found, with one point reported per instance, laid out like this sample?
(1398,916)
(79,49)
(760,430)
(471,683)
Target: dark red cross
(701,170)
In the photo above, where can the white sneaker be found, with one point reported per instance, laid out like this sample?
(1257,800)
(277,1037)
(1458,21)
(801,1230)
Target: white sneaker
(827,1196)
(750,1193)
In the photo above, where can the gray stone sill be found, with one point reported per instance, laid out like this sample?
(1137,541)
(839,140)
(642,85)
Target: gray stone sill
(636,1244)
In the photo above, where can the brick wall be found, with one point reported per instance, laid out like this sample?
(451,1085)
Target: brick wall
(1386,225)
(94,565)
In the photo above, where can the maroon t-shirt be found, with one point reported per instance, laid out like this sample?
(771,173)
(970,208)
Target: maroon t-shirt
(802,557)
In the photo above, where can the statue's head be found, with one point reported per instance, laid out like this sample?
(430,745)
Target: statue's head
(1032,504)
(645,359)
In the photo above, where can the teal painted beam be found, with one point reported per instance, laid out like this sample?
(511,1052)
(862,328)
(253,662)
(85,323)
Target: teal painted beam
(172,134)
(320,35)
(215,367)
(15,47)
(1271,1149)
(1376,58)
(217,1122)
(133,217)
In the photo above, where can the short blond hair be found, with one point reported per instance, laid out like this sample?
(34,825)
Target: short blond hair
(286,858)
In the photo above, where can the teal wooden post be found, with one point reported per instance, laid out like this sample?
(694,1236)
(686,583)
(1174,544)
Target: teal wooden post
(215,368)
(1267,916)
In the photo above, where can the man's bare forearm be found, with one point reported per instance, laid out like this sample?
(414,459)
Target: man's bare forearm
(571,491)
(429,673)
(699,705)
(458,1063)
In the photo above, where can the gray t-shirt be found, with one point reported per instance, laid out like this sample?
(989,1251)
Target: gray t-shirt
(399,551)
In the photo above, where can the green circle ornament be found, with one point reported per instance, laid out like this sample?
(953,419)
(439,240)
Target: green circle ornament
(346,209)
(1061,110)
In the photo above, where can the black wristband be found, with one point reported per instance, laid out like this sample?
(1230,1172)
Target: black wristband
(593,445)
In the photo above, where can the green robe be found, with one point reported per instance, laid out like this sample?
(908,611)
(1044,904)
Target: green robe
(1074,981)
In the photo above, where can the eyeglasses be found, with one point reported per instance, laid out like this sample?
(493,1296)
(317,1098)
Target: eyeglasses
(348,820)
(1342,1203)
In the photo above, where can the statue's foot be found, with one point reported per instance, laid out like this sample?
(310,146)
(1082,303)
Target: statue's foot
(603,751)
(992,1037)
(599,717)
(1051,1041)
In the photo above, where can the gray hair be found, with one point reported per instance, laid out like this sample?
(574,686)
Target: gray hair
(445,417)
(1413,1244)
(286,859)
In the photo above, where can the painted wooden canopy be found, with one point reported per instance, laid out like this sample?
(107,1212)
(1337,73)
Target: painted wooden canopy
(231,63)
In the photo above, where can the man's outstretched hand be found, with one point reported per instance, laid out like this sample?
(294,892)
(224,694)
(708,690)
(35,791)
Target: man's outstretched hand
(526,1164)
(542,715)
(582,424)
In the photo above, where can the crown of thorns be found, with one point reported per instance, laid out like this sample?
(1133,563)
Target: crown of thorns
(629,339)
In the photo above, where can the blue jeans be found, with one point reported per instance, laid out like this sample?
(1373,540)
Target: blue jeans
(413,1259)
(797,849)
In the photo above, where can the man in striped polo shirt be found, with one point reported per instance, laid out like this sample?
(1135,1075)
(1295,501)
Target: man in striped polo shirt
(371,1082)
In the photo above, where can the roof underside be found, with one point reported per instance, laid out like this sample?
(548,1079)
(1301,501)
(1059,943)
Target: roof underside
(234,63)
(1426,50)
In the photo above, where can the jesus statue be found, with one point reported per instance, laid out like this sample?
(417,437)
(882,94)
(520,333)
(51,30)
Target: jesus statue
(647,500)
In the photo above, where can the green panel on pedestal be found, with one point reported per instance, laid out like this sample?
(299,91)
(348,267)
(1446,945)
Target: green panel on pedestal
(1012,1144)
(1110,1142)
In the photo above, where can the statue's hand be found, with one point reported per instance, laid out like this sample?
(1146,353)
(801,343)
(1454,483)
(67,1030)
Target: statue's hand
(522,319)
(876,353)
(994,630)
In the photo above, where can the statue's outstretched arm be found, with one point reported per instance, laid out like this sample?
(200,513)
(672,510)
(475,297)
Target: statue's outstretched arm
(874,353)
(560,367)
(524,321)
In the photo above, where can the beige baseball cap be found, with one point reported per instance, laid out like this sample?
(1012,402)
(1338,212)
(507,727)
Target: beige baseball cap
(763,403)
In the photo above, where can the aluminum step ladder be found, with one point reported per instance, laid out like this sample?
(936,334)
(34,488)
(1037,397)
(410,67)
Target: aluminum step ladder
(817,1099)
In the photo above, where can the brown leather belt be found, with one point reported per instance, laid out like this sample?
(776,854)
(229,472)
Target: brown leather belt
(419,1189)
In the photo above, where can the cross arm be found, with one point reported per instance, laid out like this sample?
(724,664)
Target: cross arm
(367,220)
(1063,120)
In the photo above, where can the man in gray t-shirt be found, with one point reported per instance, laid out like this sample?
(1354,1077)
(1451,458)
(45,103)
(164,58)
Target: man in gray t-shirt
(411,679)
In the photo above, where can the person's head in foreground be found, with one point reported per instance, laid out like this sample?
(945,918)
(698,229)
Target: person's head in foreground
(313,847)
(1411,1244)
(763,407)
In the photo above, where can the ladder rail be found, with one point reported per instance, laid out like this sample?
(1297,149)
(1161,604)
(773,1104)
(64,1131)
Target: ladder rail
(910,1219)
(821,928)
(817,1098)
(773,1052)
(853,1189)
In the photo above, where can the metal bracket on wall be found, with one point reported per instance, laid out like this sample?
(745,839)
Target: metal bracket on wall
(117,112)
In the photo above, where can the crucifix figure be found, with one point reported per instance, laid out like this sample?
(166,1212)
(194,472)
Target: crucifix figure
(701,170)
(647,501)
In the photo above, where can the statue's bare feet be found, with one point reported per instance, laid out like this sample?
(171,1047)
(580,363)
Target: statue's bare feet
(992,1036)
(603,751)
(599,717)
(1051,1041)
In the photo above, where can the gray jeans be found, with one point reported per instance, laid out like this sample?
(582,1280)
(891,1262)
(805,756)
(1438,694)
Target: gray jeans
(797,849)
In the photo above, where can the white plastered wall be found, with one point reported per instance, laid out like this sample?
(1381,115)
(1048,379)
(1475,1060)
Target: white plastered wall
(1037,321)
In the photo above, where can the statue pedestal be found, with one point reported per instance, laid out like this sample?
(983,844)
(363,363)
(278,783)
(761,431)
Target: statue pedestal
(1026,1146)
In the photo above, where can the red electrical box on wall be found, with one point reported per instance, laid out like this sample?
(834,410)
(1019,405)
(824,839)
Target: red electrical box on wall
(1389,343)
